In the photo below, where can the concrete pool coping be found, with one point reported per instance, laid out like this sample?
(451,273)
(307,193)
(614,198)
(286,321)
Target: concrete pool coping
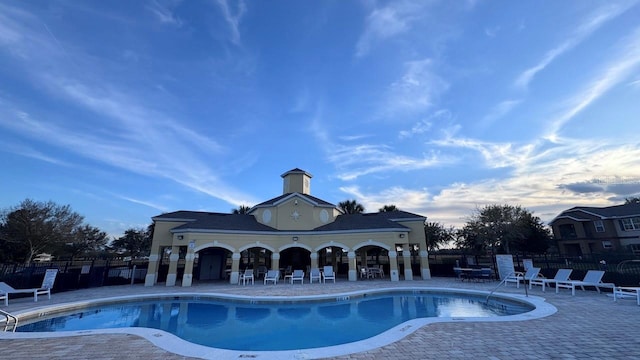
(176,345)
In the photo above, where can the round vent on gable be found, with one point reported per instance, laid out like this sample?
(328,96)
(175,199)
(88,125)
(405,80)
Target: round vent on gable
(266,216)
(324,216)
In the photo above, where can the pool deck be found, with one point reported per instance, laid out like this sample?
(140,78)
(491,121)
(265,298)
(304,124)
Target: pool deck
(586,326)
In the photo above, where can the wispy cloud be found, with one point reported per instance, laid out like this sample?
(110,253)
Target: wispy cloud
(28,151)
(386,22)
(545,179)
(365,159)
(417,90)
(600,17)
(361,159)
(164,13)
(425,125)
(498,111)
(122,129)
(495,155)
(143,202)
(233,17)
(492,31)
(613,73)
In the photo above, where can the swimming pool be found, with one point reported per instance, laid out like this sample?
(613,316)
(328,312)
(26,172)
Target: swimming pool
(269,324)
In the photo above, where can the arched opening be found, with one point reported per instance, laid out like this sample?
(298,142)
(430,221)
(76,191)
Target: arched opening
(372,262)
(295,258)
(335,256)
(212,264)
(256,258)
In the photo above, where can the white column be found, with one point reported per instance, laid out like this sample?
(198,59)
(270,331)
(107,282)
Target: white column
(393,266)
(173,266)
(152,271)
(424,265)
(406,258)
(353,268)
(187,277)
(234,277)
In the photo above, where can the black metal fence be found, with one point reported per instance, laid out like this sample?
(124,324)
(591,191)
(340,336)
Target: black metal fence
(74,275)
(623,270)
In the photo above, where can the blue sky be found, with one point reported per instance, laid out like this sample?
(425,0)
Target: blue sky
(128,109)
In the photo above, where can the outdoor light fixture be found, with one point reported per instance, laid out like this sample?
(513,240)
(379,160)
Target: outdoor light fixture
(401,235)
(295,238)
(180,237)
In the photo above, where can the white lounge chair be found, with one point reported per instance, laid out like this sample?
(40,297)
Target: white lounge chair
(328,274)
(45,288)
(272,276)
(624,292)
(592,278)
(561,275)
(298,275)
(517,277)
(246,276)
(314,274)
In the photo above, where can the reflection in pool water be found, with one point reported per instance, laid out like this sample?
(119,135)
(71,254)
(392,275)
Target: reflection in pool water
(266,325)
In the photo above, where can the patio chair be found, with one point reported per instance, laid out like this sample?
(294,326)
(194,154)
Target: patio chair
(272,276)
(328,274)
(314,274)
(592,278)
(624,292)
(298,275)
(561,275)
(458,272)
(45,288)
(247,276)
(486,274)
(517,277)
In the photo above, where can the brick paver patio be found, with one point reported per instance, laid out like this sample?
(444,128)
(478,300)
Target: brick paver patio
(586,326)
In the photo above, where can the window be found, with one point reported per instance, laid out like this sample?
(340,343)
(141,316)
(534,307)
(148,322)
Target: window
(635,248)
(599,225)
(630,224)
(607,244)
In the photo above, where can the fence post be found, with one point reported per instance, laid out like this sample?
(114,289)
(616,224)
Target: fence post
(105,275)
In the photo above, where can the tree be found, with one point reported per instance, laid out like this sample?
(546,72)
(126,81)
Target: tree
(351,207)
(135,242)
(632,200)
(242,209)
(503,229)
(86,239)
(34,227)
(388,208)
(537,237)
(437,235)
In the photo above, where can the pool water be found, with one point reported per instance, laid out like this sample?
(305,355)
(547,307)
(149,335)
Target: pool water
(270,325)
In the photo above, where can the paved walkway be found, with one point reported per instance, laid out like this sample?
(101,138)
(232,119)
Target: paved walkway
(586,326)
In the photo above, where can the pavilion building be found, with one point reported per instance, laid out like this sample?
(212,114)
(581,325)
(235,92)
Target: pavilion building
(292,231)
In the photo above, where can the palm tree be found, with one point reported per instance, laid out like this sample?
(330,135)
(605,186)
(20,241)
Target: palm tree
(388,208)
(242,209)
(351,207)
